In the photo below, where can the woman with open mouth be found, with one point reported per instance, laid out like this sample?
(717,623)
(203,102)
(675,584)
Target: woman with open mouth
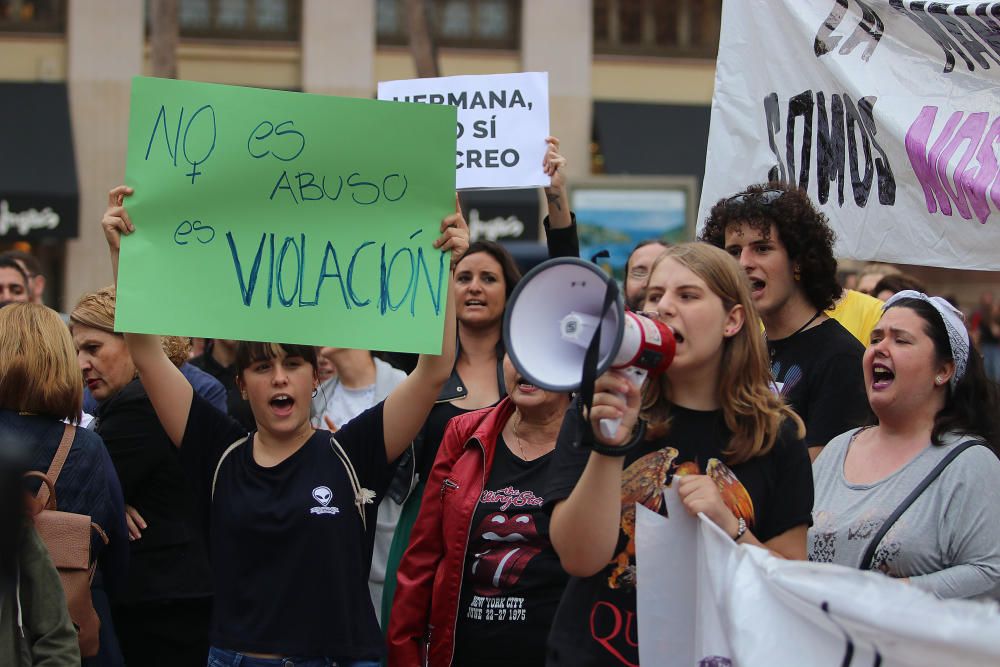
(713,425)
(915,496)
(290,511)
(482,524)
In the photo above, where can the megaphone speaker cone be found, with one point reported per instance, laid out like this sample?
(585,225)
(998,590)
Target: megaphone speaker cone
(551,317)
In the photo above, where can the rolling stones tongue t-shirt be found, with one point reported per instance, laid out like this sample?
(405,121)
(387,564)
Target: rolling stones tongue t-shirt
(512,579)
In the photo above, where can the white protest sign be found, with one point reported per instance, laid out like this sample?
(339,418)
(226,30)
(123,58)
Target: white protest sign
(754,609)
(885,111)
(503,120)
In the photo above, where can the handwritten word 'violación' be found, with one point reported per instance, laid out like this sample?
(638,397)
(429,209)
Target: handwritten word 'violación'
(295,277)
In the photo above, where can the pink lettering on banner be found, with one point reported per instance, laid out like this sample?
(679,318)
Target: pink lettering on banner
(945,181)
(510,497)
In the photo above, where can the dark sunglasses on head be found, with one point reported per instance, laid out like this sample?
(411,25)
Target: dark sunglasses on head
(764,197)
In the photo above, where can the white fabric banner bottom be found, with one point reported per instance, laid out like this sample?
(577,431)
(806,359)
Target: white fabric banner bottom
(704,601)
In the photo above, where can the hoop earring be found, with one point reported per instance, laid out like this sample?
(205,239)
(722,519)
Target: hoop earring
(315,391)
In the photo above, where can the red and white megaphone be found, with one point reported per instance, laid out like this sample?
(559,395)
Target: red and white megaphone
(552,316)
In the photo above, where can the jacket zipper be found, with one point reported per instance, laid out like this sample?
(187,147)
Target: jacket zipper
(448,483)
(461,577)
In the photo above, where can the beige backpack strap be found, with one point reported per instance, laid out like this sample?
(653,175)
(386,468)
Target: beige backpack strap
(362,496)
(222,458)
(93,563)
(69,432)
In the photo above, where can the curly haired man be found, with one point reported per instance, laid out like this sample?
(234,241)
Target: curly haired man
(786,247)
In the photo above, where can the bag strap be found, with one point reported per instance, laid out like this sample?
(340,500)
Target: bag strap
(62,452)
(50,492)
(362,496)
(866,561)
(222,458)
(584,436)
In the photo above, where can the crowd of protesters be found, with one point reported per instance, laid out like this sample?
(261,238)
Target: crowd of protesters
(269,504)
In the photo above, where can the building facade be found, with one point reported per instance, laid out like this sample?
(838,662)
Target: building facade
(630,93)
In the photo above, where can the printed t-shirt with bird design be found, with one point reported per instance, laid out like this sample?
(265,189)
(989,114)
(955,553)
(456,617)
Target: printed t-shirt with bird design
(596,620)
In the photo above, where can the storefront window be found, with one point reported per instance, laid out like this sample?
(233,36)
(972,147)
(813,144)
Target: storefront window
(389,18)
(33,16)
(486,24)
(233,14)
(679,28)
(239,19)
(494,19)
(456,19)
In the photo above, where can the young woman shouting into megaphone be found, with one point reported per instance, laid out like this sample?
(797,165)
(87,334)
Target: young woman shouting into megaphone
(716,432)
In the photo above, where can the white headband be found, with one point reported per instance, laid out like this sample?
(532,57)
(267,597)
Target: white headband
(954,324)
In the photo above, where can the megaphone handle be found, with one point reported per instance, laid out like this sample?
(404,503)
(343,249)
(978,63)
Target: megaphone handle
(636,376)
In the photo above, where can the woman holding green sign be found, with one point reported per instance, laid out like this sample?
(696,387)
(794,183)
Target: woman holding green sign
(291,509)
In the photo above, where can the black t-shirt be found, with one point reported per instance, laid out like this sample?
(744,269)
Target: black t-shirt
(290,557)
(818,372)
(432,433)
(170,560)
(596,620)
(512,580)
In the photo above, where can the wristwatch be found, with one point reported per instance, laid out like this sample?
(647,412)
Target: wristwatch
(741,529)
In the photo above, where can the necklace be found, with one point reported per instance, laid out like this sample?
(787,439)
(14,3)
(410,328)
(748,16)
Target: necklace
(517,437)
(796,332)
(547,444)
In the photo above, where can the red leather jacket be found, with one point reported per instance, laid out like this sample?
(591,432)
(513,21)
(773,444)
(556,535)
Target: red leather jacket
(424,610)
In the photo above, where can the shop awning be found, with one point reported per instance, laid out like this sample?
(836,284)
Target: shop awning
(39,197)
(652,139)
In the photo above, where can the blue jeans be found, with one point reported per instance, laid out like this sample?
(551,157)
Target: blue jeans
(220,657)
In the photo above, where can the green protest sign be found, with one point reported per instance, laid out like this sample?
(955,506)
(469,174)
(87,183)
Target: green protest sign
(277,216)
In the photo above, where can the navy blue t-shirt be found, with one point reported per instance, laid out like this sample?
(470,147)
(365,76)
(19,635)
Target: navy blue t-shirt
(290,557)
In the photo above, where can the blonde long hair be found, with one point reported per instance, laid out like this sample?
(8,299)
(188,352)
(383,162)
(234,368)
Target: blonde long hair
(38,368)
(752,411)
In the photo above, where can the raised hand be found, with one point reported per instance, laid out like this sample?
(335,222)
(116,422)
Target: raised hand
(454,235)
(554,165)
(556,195)
(116,221)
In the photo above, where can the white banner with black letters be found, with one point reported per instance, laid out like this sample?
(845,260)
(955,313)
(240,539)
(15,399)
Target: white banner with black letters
(749,608)
(886,111)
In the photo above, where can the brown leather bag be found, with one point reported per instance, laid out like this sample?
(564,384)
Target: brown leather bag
(67,537)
